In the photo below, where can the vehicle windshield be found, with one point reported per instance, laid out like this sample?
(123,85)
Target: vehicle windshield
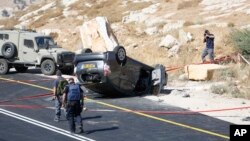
(43,42)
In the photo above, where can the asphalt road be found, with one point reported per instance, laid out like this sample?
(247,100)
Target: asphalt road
(26,113)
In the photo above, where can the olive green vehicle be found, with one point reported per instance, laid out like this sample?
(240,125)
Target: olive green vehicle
(21,49)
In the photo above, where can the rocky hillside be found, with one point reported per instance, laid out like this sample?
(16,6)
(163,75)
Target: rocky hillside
(169,32)
(153,31)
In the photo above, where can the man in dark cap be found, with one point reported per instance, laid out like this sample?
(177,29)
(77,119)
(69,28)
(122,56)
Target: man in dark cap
(73,96)
(58,95)
(209,49)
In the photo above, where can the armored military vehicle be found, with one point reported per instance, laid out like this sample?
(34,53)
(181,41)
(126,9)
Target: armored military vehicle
(22,48)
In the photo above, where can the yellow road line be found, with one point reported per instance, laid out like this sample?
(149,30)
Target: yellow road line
(138,113)
(20,82)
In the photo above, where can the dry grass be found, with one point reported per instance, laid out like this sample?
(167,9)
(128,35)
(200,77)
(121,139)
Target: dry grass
(111,9)
(230,24)
(237,78)
(44,19)
(188,4)
(188,23)
(9,23)
(54,35)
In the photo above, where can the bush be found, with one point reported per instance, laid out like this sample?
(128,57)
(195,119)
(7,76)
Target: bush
(230,24)
(241,41)
(219,89)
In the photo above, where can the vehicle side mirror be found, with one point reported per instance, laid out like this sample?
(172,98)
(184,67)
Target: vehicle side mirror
(36,50)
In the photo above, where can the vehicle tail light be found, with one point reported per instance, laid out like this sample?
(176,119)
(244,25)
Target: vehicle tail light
(106,70)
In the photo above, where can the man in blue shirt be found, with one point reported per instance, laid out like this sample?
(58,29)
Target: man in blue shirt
(209,49)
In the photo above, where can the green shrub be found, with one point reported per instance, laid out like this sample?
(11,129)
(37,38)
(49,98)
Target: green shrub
(219,89)
(241,40)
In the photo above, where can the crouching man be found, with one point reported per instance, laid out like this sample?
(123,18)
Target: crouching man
(73,101)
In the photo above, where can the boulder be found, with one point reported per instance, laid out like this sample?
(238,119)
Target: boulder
(97,35)
(168,42)
(202,71)
(185,37)
(151,30)
(174,50)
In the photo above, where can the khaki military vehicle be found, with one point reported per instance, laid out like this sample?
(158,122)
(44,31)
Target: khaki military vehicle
(21,49)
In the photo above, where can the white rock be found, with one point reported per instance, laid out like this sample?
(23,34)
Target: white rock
(97,35)
(44,8)
(174,50)
(185,37)
(168,42)
(151,30)
(141,16)
(68,2)
(225,6)
(202,71)
(172,25)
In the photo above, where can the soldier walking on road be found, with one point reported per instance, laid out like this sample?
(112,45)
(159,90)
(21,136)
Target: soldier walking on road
(73,96)
(58,94)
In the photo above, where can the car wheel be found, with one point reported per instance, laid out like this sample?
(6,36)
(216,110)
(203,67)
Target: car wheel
(4,66)
(48,67)
(9,50)
(120,54)
(21,68)
(86,50)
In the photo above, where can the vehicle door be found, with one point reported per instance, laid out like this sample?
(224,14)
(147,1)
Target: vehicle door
(28,53)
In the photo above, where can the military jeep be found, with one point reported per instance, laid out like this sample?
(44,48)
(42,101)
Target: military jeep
(21,49)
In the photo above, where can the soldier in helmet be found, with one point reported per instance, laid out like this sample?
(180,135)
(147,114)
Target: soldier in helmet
(74,99)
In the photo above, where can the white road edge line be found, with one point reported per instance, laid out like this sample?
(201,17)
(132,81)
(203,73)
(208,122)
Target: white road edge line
(44,125)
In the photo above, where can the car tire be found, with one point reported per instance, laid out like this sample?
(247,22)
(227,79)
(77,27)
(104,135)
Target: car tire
(120,54)
(87,50)
(9,50)
(21,68)
(48,67)
(4,66)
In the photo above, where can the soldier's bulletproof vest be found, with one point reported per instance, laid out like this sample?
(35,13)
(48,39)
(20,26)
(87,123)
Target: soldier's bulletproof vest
(74,92)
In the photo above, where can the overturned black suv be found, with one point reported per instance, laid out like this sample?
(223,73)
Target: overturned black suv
(113,73)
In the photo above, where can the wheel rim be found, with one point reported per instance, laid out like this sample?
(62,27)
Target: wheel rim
(47,67)
(8,50)
(121,54)
(1,67)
